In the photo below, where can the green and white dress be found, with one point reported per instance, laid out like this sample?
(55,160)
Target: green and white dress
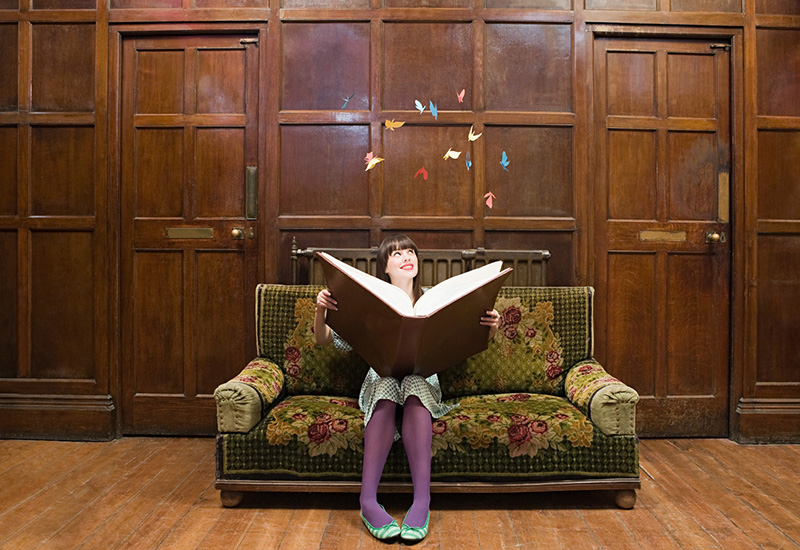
(375,387)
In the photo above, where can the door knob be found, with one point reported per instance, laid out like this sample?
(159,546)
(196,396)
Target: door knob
(237,233)
(714,237)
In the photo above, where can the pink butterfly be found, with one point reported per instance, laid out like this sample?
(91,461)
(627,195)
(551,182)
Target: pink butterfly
(423,172)
(489,198)
(460,96)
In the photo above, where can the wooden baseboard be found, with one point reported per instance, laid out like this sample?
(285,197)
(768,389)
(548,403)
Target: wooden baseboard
(768,421)
(62,417)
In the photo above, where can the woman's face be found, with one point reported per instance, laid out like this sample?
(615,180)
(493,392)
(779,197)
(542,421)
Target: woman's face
(401,265)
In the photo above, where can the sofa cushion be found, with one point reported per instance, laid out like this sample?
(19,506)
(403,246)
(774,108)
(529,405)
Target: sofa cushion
(505,435)
(285,321)
(545,332)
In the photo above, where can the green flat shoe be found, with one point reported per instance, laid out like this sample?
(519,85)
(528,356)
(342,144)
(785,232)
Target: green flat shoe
(384,533)
(414,534)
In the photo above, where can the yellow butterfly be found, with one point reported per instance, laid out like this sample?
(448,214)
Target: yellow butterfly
(472,135)
(391,124)
(371,161)
(450,154)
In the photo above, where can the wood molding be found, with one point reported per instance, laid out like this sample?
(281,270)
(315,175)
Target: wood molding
(768,420)
(78,417)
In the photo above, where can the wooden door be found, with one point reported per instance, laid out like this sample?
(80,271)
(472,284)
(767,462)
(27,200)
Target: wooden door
(189,243)
(662,237)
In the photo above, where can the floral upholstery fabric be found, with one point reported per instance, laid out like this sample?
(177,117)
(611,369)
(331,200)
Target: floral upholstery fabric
(543,333)
(509,435)
(285,321)
(263,376)
(585,380)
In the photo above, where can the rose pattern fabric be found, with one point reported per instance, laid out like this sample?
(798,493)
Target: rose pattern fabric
(524,423)
(584,380)
(325,425)
(524,355)
(264,376)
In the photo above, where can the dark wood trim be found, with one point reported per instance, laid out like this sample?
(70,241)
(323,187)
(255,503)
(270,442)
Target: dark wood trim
(81,417)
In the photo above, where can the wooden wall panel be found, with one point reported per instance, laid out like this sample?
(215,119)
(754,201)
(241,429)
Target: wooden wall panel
(528,67)
(64,4)
(9,149)
(631,83)
(9,347)
(778,169)
(159,151)
(324,64)
(778,7)
(231,3)
(62,171)
(428,62)
(531,4)
(321,171)
(9,4)
(692,166)
(778,323)
(220,172)
(633,293)
(219,284)
(55,47)
(219,81)
(449,189)
(62,305)
(778,72)
(145,4)
(632,174)
(9,66)
(323,4)
(158,321)
(622,5)
(691,97)
(727,6)
(561,244)
(161,71)
(428,3)
(539,179)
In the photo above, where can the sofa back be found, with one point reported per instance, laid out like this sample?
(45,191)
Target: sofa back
(546,330)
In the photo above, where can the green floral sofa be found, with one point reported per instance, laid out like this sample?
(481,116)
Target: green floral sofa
(536,412)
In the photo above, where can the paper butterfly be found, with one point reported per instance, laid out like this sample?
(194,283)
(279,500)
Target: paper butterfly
(371,161)
(469,162)
(347,100)
(434,110)
(489,198)
(460,96)
(450,154)
(420,106)
(504,162)
(472,135)
(423,172)
(391,124)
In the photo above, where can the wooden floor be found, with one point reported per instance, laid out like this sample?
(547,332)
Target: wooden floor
(158,493)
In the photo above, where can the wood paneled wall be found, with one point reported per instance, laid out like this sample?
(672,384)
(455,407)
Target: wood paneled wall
(526,69)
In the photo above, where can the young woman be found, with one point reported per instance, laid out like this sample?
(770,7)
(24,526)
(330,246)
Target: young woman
(421,398)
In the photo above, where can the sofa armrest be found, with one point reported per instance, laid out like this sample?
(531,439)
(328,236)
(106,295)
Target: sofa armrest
(243,400)
(609,404)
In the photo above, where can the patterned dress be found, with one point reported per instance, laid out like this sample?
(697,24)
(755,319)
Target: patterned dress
(374,388)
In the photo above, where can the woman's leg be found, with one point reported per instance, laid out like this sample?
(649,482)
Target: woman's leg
(378,439)
(417,436)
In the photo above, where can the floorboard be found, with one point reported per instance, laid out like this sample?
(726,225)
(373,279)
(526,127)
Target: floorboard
(158,493)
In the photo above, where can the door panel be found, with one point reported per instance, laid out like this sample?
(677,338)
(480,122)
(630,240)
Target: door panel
(663,151)
(189,253)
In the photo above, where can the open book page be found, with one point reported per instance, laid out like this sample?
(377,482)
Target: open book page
(392,295)
(453,288)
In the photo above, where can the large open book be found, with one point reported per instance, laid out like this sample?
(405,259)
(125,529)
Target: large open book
(398,338)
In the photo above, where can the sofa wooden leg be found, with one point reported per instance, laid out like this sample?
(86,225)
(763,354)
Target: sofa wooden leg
(625,498)
(231,499)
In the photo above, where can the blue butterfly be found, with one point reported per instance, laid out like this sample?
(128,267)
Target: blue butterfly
(420,106)
(504,162)
(347,100)
(434,110)
(469,162)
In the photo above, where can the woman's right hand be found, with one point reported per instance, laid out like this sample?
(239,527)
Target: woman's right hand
(326,300)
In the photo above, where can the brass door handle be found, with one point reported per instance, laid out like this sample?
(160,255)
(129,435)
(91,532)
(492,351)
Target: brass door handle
(713,237)
(237,233)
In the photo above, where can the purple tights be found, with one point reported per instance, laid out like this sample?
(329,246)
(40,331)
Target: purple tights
(378,439)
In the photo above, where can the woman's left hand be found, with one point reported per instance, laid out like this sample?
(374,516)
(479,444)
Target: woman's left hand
(492,320)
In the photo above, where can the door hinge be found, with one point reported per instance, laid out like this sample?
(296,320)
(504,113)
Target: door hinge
(724,47)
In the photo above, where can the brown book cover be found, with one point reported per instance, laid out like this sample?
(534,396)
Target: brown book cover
(379,322)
